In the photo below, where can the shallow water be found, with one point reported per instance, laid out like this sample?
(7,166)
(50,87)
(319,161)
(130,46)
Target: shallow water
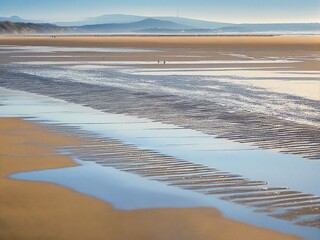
(305,84)
(188,145)
(239,158)
(114,186)
(247,88)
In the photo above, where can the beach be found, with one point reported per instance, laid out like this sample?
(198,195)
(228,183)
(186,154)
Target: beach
(159,137)
(34,210)
(266,42)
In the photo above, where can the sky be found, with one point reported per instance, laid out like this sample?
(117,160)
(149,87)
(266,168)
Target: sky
(235,11)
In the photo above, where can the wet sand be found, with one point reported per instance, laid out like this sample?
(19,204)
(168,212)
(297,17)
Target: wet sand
(188,48)
(35,210)
(306,89)
(301,53)
(175,48)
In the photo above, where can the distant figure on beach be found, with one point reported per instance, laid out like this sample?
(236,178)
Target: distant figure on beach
(158,62)
(164,62)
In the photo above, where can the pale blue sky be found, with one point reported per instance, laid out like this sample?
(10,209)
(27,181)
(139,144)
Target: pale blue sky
(215,10)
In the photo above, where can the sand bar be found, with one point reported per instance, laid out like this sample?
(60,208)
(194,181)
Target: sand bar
(35,210)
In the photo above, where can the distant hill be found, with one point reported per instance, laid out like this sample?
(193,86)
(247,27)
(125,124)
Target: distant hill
(123,18)
(13,19)
(32,28)
(195,23)
(19,19)
(152,25)
(133,27)
(104,19)
(134,23)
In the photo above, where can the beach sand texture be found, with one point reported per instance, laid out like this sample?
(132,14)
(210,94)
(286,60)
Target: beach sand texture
(34,210)
(251,42)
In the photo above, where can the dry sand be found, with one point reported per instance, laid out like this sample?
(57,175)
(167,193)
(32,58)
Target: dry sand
(36,210)
(249,42)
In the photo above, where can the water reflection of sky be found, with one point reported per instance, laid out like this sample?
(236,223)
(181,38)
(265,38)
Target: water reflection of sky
(283,93)
(128,191)
(277,168)
(115,186)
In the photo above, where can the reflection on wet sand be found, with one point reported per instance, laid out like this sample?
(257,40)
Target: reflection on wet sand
(144,158)
(65,214)
(208,128)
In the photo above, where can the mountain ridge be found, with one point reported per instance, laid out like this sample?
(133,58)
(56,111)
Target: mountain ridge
(134,26)
(124,18)
(152,25)
(13,19)
(31,28)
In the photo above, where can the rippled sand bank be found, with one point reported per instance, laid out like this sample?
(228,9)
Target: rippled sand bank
(34,210)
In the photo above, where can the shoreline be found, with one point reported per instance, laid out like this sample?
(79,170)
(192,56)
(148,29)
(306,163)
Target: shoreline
(65,214)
